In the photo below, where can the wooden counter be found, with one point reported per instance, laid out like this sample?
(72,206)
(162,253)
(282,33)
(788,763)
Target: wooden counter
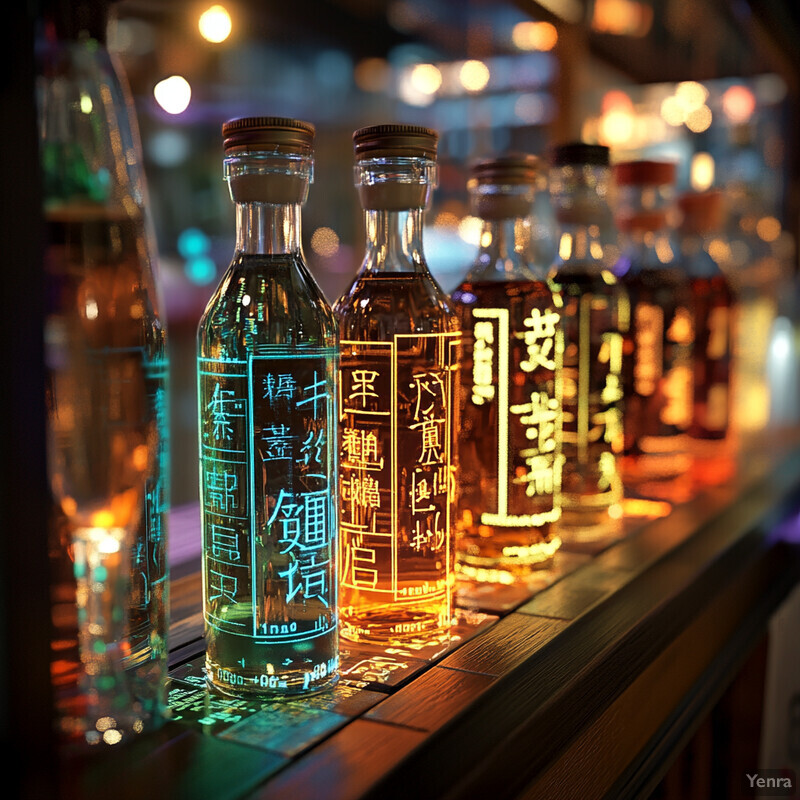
(584,683)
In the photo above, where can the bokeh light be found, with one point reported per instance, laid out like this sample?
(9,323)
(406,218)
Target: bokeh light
(738,104)
(426,78)
(325,242)
(701,171)
(215,24)
(474,75)
(529,35)
(173,94)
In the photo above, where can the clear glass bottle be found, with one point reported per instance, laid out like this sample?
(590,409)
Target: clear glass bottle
(712,308)
(594,311)
(509,440)
(267,391)
(108,408)
(658,374)
(399,381)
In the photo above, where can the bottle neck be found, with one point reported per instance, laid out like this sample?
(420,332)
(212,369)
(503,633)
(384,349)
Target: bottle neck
(586,231)
(394,241)
(268,229)
(505,249)
(583,242)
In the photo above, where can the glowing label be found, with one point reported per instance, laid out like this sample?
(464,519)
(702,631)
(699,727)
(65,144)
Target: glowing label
(678,380)
(649,334)
(396,476)
(267,487)
(541,417)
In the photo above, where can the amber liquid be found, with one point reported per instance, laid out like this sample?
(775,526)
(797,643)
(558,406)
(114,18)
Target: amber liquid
(594,316)
(658,377)
(398,409)
(713,310)
(107,401)
(509,463)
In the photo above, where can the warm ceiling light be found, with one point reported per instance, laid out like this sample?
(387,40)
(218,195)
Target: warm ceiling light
(699,120)
(215,24)
(426,78)
(738,103)
(474,75)
(173,94)
(534,35)
(702,171)
(691,95)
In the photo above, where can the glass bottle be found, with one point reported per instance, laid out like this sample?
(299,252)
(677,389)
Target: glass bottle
(400,340)
(267,384)
(658,373)
(712,309)
(107,362)
(509,441)
(594,311)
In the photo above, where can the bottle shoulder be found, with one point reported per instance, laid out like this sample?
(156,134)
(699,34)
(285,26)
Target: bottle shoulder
(266,299)
(384,303)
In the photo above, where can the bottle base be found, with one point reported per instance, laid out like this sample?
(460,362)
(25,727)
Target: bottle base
(398,627)
(272,694)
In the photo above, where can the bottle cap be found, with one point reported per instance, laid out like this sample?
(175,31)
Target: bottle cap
(510,169)
(272,134)
(258,159)
(640,173)
(702,211)
(395,141)
(393,185)
(515,173)
(573,153)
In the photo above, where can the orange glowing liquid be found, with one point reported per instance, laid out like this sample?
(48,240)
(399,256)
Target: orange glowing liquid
(509,468)
(399,373)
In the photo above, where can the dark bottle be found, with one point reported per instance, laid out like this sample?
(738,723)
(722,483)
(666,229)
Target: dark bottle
(509,440)
(267,384)
(595,315)
(399,379)
(713,310)
(658,372)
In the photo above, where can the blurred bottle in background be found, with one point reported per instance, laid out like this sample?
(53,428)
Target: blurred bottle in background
(702,218)
(595,314)
(107,363)
(509,442)
(658,371)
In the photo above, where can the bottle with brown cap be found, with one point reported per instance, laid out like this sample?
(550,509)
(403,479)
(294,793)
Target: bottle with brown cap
(509,442)
(594,312)
(702,217)
(399,362)
(267,389)
(658,375)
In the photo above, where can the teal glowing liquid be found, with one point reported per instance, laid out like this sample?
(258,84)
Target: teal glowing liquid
(267,372)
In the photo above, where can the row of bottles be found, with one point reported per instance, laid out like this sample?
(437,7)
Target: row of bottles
(355,458)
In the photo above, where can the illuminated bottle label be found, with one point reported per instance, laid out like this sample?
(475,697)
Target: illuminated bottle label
(592,396)
(649,352)
(268,494)
(539,348)
(678,376)
(149,557)
(396,474)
